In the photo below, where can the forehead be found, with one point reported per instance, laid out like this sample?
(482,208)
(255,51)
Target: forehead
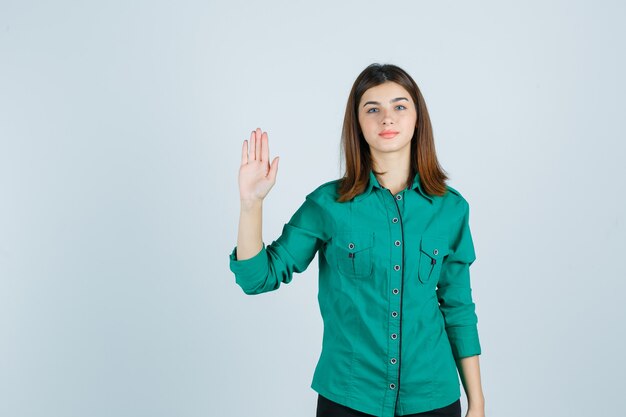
(385,92)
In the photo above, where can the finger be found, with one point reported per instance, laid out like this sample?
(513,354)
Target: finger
(252,146)
(258,145)
(257,148)
(244,153)
(250,143)
(265,148)
(273,169)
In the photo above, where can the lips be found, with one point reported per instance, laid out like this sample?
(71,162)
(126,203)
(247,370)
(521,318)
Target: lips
(388,134)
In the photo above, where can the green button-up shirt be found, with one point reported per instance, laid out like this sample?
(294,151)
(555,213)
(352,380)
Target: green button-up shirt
(394,293)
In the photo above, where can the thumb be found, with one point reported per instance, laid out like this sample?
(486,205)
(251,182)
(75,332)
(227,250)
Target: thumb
(273,169)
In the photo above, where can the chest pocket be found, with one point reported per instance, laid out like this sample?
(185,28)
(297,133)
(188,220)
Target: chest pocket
(432,251)
(353,252)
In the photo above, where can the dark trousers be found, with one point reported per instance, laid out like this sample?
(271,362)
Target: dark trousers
(329,408)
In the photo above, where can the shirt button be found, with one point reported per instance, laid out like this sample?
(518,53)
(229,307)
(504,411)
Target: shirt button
(351,245)
(395,291)
(392,385)
(394,313)
(393,361)
(397,242)
(395,220)
(399,197)
(435,252)
(394,336)
(396,267)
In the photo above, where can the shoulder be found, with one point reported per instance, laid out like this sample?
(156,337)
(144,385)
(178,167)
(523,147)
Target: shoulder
(453,193)
(453,201)
(325,193)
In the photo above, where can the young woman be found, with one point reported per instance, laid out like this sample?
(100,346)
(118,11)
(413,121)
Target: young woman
(394,248)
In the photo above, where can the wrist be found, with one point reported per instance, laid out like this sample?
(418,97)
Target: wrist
(250,204)
(476,403)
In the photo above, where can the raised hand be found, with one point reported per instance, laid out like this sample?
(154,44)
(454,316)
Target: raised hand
(256,176)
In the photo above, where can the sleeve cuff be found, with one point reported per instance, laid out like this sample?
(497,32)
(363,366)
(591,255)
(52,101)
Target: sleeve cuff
(249,273)
(464,341)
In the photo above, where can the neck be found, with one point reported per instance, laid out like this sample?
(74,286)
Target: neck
(396,168)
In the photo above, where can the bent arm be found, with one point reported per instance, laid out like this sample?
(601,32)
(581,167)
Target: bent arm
(269,266)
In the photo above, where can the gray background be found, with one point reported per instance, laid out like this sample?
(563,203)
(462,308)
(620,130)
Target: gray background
(121,127)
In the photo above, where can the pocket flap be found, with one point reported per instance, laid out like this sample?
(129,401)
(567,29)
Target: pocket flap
(434,246)
(354,241)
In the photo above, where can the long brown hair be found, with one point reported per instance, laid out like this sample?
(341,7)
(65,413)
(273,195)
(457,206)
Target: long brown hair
(356,149)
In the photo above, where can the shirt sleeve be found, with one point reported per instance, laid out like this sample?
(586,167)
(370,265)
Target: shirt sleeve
(291,252)
(454,291)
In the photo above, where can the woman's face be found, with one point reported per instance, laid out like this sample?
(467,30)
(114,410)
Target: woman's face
(387,117)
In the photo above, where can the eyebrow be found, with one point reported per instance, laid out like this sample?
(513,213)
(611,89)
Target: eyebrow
(392,101)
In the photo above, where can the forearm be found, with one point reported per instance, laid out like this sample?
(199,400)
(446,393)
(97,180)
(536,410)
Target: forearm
(249,236)
(469,370)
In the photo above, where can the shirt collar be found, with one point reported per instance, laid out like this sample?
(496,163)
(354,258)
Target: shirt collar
(373,182)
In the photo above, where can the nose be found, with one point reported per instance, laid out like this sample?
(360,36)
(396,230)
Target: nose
(387,119)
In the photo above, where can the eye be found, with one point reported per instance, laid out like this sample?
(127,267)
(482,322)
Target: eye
(402,107)
(372,110)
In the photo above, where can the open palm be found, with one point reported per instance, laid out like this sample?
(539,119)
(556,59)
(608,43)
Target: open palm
(256,176)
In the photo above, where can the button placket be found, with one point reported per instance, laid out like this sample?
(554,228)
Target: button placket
(397,262)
